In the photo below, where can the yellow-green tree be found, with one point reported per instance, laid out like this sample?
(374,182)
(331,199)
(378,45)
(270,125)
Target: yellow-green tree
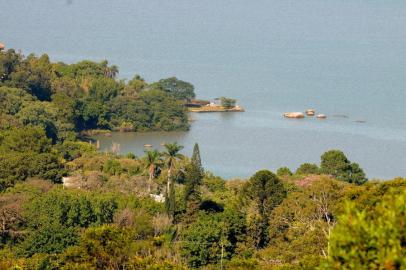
(370,240)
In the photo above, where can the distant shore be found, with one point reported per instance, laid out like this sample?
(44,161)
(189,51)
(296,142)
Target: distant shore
(208,109)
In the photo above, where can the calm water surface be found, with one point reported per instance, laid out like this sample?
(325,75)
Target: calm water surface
(340,57)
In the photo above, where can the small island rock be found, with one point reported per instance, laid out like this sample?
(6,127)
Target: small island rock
(293,115)
(310,112)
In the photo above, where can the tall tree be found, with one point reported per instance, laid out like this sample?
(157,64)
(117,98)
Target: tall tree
(335,163)
(196,159)
(152,161)
(262,193)
(171,155)
(193,180)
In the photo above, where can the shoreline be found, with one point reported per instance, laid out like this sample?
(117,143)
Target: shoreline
(212,109)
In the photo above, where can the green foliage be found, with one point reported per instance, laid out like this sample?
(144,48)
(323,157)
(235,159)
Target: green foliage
(228,103)
(192,193)
(335,163)
(367,196)
(153,162)
(176,88)
(112,222)
(85,95)
(131,156)
(94,115)
(135,86)
(284,171)
(70,209)
(374,240)
(9,62)
(25,140)
(307,168)
(71,150)
(55,117)
(211,237)
(27,152)
(171,156)
(41,114)
(31,74)
(12,100)
(299,226)
(263,192)
(266,190)
(196,159)
(214,183)
(163,112)
(151,110)
(112,167)
(49,239)
(86,69)
(104,89)
(105,247)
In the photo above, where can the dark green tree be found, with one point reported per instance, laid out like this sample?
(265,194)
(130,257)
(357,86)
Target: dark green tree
(177,88)
(9,62)
(170,202)
(104,89)
(27,152)
(51,239)
(357,175)
(307,168)
(87,69)
(228,103)
(12,100)
(193,182)
(283,171)
(212,238)
(262,193)
(335,163)
(33,75)
(95,114)
(196,159)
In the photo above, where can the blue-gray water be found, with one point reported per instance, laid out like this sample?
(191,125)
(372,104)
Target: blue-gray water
(338,56)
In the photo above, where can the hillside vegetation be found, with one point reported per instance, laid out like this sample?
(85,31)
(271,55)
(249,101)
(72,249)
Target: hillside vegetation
(67,98)
(64,205)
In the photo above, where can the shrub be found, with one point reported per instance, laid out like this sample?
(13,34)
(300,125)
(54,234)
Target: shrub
(307,168)
(373,240)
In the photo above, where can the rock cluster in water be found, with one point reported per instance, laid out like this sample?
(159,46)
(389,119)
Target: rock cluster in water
(299,115)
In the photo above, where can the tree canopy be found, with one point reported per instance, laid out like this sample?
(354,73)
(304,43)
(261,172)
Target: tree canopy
(177,88)
(335,163)
(69,98)
(163,210)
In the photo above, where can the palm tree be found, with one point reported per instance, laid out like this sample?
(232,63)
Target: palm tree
(171,154)
(152,160)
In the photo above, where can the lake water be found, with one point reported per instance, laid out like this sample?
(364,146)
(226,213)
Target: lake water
(340,57)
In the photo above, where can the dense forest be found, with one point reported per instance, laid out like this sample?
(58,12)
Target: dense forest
(66,99)
(64,205)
